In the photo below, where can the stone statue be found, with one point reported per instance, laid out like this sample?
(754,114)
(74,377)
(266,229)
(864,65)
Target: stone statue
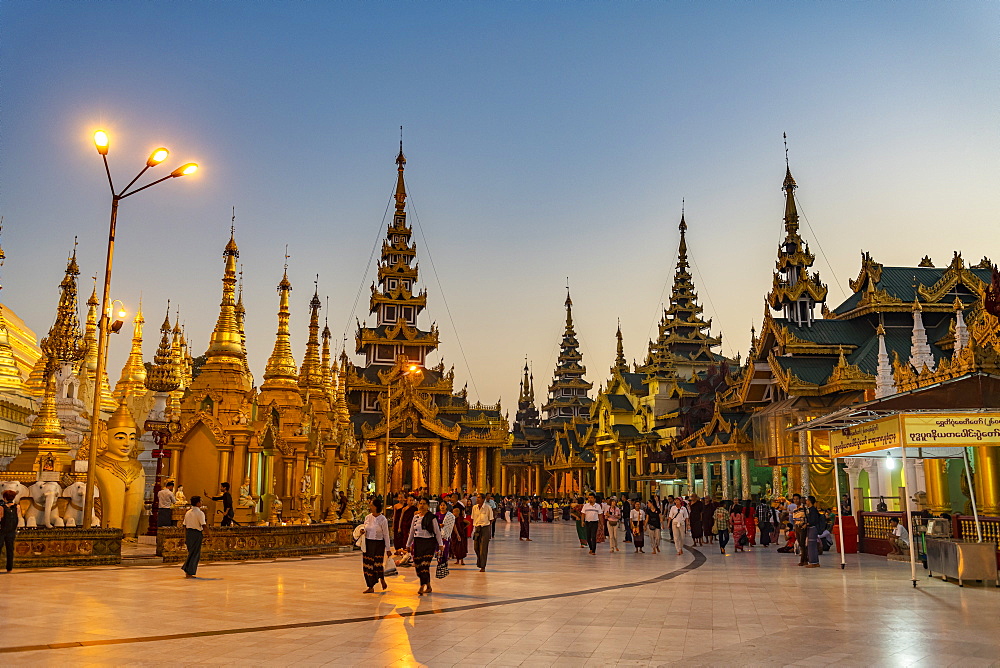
(179,498)
(247,500)
(305,483)
(120,476)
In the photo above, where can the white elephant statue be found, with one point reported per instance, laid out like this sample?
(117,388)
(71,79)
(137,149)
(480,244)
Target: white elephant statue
(73,515)
(22,492)
(44,496)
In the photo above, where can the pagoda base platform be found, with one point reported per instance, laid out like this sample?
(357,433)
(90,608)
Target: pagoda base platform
(257,542)
(69,546)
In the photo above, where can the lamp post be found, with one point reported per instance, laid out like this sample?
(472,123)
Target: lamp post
(381,461)
(102,142)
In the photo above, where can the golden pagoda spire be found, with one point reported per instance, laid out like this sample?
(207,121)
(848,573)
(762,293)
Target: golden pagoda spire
(342,413)
(310,373)
(164,376)
(88,367)
(326,371)
(400,186)
(63,345)
(178,346)
(621,364)
(225,344)
(133,378)
(10,375)
(241,313)
(523,397)
(280,371)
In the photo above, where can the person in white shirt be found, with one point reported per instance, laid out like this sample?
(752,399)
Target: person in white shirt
(194,532)
(591,517)
(424,539)
(377,546)
(899,537)
(482,530)
(678,519)
(165,500)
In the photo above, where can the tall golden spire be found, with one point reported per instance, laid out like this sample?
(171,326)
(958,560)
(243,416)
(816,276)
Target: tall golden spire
(226,345)
(164,376)
(178,346)
(63,345)
(241,313)
(10,375)
(400,186)
(88,367)
(133,378)
(621,364)
(310,373)
(327,372)
(280,371)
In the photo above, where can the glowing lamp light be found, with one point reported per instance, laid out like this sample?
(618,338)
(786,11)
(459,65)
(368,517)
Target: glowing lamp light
(101,142)
(185,170)
(157,156)
(890,463)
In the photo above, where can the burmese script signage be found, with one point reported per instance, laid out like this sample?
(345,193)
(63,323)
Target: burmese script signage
(918,430)
(868,437)
(954,430)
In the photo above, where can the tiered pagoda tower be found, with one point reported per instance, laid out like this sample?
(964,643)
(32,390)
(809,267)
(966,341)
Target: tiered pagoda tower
(433,439)
(568,400)
(795,293)
(684,345)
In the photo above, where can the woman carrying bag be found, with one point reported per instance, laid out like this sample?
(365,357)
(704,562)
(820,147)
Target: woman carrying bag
(375,543)
(425,539)
(614,519)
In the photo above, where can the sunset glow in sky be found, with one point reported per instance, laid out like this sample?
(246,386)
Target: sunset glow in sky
(545,141)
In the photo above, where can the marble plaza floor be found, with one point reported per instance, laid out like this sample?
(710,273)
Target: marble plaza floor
(543,603)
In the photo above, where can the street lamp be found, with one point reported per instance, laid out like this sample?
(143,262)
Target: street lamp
(381,463)
(102,143)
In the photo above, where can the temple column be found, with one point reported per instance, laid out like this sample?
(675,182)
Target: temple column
(381,469)
(539,472)
(226,467)
(987,481)
(804,466)
(503,479)
(175,465)
(446,466)
(623,463)
(416,476)
(496,470)
(706,468)
(599,468)
(640,461)
(725,478)
(252,473)
(936,485)
(481,466)
(434,464)
(579,480)
(745,474)
(690,467)
(616,485)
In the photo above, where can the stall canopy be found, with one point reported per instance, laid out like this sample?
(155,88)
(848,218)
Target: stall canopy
(937,421)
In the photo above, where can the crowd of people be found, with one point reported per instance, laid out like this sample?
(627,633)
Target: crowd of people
(415,528)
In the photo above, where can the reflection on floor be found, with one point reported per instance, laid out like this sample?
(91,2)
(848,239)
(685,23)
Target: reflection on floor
(542,603)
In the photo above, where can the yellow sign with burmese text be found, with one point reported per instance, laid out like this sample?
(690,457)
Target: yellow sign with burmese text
(952,430)
(868,437)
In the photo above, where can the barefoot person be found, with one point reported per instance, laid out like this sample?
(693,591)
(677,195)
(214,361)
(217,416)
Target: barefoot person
(376,533)
(194,532)
(425,540)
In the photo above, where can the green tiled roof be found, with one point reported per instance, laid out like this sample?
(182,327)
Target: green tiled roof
(620,402)
(810,370)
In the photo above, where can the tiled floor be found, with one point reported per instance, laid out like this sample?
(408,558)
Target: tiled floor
(543,603)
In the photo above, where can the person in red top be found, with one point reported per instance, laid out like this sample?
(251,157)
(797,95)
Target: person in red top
(750,519)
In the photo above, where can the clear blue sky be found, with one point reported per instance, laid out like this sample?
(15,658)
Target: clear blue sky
(545,140)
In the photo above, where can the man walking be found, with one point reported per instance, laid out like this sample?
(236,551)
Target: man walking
(678,518)
(482,525)
(809,535)
(194,532)
(591,517)
(165,500)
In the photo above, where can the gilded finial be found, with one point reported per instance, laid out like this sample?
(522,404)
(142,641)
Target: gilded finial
(784,136)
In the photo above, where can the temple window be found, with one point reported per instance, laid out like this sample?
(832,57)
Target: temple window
(389,314)
(207,405)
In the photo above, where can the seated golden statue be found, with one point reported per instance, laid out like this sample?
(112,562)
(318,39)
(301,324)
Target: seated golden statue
(120,477)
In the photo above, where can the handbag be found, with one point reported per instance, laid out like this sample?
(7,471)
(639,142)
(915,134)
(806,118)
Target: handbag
(442,569)
(613,523)
(744,541)
(390,567)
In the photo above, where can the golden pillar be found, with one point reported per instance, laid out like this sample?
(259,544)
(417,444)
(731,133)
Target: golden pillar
(496,471)
(623,475)
(226,467)
(987,482)
(503,478)
(616,483)
(936,483)
(446,480)
(252,473)
(538,479)
(381,468)
(434,464)
(481,466)
(599,483)
(416,475)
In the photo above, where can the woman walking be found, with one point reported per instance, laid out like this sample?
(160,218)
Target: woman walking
(376,534)
(721,524)
(750,520)
(425,539)
(524,519)
(739,527)
(11,517)
(637,518)
(447,522)
(614,519)
(602,520)
(458,544)
(581,529)
(653,522)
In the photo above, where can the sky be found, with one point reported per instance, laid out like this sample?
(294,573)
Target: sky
(545,141)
